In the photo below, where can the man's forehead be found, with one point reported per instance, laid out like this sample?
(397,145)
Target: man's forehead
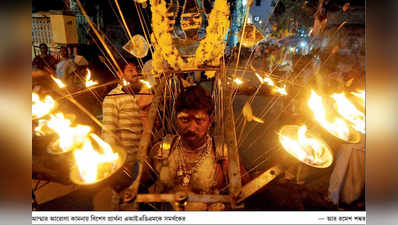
(192,113)
(130,66)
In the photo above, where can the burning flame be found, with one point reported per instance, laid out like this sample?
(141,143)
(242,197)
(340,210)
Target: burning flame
(69,137)
(39,130)
(58,81)
(281,90)
(360,95)
(311,151)
(238,81)
(89,82)
(91,163)
(146,83)
(338,128)
(270,82)
(41,108)
(349,112)
(95,158)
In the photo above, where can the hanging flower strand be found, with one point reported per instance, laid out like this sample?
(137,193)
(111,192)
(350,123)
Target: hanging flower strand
(210,49)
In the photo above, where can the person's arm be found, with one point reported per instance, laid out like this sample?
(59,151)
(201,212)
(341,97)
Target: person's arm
(110,120)
(144,103)
(151,167)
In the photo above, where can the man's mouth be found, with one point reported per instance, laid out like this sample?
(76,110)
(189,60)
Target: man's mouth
(190,135)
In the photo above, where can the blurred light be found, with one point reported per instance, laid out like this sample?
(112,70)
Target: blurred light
(89,82)
(58,81)
(125,82)
(303,44)
(146,83)
(238,81)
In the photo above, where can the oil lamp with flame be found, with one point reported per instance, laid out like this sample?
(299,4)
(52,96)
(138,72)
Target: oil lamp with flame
(96,161)
(305,146)
(280,90)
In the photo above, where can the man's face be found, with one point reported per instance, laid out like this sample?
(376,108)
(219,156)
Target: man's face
(64,52)
(43,50)
(130,73)
(193,125)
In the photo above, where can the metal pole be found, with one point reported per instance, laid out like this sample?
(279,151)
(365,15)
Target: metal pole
(231,142)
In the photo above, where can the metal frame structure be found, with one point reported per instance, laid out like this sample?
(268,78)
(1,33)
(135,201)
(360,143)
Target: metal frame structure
(237,193)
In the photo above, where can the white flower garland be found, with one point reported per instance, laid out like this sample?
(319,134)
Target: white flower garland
(210,49)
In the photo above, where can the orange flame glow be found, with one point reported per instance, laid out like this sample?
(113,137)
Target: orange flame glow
(281,90)
(304,147)
(270,82)
(89,82)
(349,112)
(92,164)
(69,137)
(360,95)
(58,81)
(338,128)
(238,81)
(41,108)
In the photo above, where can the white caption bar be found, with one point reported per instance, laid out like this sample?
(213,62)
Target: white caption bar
(135,217)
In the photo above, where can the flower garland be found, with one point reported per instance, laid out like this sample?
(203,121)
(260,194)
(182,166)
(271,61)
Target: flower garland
(210,49)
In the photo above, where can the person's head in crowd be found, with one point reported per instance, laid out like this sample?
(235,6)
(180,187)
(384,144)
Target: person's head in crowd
(43,49)
(63,52)
(194,109)
(129,72)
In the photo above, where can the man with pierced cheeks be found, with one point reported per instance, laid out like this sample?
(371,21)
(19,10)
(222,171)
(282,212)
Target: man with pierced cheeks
(192,160)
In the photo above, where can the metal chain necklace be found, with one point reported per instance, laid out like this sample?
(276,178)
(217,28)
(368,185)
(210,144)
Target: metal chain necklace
(183,172)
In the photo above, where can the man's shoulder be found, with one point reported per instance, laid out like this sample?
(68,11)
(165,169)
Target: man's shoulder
(114,92)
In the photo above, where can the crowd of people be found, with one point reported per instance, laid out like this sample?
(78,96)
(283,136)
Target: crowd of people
(71,69)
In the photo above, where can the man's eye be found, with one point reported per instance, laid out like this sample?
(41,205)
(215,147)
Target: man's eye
(199,121)
(185,120)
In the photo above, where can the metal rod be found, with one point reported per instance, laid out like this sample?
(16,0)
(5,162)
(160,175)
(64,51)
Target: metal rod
(259,182)
(230,140)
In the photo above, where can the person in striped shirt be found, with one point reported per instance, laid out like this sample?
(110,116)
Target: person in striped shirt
(122,118)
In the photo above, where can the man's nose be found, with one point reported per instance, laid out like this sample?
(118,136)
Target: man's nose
(192,126)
